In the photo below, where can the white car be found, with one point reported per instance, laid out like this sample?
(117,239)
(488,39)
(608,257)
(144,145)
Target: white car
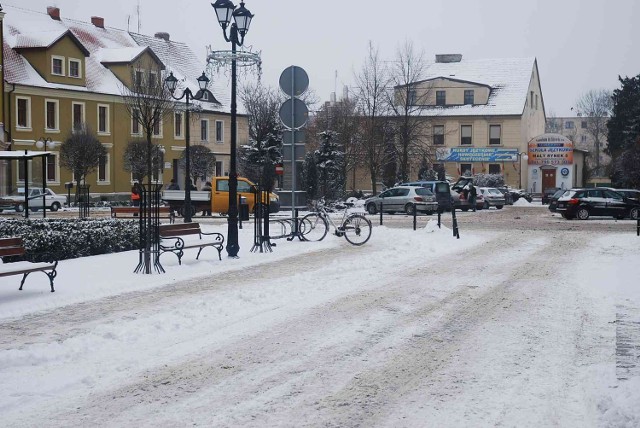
(16,200)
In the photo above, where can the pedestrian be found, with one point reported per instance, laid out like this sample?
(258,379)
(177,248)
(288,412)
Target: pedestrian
(136,194)
(473,192)
(173,185)
(191,186)
(206,188)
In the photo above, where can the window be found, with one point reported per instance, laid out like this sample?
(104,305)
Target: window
(413,97)
(219,131)
(152,80)
(583,138)
(77,111)
(204,130)
(57,65)
(494,168)
(536,101)
(51,168)
(51,115)
(468,96)
(465,135)
(244,187)
(103,119)
(531,101)
(139,78)
(135,123)
(438,135)
(103,170)
(494,134)
(441,98)
(568,124)
(465,169)
(157,126)
(583,124)
(23,107)
(222,185)
(177,125)
(219,168)
(74,68)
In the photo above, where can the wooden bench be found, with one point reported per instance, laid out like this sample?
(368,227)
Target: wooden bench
(15,247)
(172,239)
(132,212)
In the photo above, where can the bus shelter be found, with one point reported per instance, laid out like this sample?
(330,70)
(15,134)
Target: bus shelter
(23,157)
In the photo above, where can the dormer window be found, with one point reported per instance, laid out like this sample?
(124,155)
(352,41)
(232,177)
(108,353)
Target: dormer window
(152,80)
(57,65)
(75,70)
(139,77)
(468,96)
(441,98)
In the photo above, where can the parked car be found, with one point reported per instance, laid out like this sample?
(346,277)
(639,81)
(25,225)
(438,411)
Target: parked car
(630,193)
(16,200)
(492,197)
(441,189)
(403,198)
(548,193)
(458,199)
(584,203)
(508,195)
(553,201)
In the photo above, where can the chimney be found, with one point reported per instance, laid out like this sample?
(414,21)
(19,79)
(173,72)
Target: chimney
(447,58)
(162,35)
(54,12)
(98,21)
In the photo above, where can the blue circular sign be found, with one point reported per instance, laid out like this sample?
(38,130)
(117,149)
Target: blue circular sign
(564,172)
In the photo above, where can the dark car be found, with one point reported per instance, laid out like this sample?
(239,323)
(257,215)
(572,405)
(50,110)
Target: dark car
(553,201)
(584,203)
(548,193)
(439,188)
(508,195)
(630,193)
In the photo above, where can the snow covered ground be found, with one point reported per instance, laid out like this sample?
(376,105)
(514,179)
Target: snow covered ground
(415,328)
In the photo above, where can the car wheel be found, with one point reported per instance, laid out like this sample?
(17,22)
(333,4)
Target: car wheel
(55,206)
(486,205)
(20,208)
(634,213)
(583,214)
(371,208)
(499,206)
(409,209)
(34,210)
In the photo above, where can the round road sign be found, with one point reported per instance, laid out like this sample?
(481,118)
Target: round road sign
(294,81)
(294,113)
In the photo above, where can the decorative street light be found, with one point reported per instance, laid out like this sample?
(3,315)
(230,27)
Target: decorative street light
(525,156)
(44,143)
(172,83)
(225,10)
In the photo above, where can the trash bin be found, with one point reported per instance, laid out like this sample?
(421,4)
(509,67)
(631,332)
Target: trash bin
(244,209)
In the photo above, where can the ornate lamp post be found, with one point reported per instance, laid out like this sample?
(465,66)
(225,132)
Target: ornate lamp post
(225,10)
(44,143)
(172,83)
(525,156)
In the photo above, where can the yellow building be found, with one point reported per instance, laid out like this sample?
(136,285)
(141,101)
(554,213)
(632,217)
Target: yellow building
(60,74)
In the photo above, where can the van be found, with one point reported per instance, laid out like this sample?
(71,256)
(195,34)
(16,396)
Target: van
(439,188)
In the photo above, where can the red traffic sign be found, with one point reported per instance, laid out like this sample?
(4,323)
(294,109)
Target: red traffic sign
(279,170)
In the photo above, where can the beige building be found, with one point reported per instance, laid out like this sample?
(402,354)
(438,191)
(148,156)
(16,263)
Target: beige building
(60,74)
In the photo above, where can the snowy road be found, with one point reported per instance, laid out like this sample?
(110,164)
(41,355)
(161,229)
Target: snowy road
(413,329)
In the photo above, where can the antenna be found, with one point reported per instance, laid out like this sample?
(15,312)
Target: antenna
(128,21)
(138,12)
(335,82)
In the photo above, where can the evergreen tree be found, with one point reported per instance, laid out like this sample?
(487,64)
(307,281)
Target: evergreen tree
(624,124)
(259,159)
(328,162)
(310,176)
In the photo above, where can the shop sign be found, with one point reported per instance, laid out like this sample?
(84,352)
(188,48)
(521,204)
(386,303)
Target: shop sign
(550,149)
(473,154)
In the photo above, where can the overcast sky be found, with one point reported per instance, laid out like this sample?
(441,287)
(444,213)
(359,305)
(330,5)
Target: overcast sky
(580,45)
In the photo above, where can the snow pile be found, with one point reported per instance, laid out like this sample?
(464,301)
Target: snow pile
(432,227)
(621,407)
(522,202)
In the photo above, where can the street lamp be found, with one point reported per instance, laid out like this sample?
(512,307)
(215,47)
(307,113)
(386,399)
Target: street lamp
(43,143)
(525,156)
(225,10)
(172,83)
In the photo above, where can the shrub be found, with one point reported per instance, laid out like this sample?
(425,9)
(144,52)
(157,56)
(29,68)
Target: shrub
(47,240)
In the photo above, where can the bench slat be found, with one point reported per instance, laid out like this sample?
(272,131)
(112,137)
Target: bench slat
(11,251)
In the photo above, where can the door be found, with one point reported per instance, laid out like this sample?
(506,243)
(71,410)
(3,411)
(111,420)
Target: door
(220,196)
(596,201)
(548,179)
(616,206)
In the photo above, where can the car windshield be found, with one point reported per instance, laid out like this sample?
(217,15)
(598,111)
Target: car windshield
(494,192)
(559,193)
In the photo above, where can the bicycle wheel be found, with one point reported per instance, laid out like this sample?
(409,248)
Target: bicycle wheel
(313,227)
(357,229)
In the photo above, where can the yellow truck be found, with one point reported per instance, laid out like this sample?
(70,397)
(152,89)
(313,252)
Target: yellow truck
(217,198)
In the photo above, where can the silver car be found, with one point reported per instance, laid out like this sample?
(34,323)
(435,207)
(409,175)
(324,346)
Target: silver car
(492,197)
(403,198)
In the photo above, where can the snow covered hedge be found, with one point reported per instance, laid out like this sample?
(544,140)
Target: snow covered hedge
(71,238)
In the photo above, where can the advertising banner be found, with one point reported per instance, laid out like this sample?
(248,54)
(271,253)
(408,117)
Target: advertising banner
(472,154)
(550,149)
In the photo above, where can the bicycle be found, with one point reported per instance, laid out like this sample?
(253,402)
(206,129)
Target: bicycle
(355,227)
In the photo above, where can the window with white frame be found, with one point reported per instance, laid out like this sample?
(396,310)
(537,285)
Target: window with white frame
(23,113)
(468,96)
(139,78)
(465,135)
(75,68)
(438,135)
(495,137)
(583,138)
(441,98)
(135,123)
(52,168)
(204,129)
(103,169)
(177,124)
(157,126)
(103,119)
(466,169)
(51,115)
(77,113)
(219,131)
(219,168)
(153,78)
(57,65)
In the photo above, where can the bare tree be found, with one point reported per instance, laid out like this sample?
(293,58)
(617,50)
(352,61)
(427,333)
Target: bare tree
(405,102)
(372,85)
(595,108)
(554,124)
(203,162)
(81,153)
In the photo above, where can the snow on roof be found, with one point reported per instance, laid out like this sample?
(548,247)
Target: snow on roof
(39,39)
(105,45)
(508,79)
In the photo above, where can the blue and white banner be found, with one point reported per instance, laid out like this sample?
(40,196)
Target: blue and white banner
(472,154)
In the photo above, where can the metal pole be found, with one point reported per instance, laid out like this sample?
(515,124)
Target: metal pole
(187,179)
(293,143)
(232,227)
(44,183)
(381,204)
(415,217)
(520,169)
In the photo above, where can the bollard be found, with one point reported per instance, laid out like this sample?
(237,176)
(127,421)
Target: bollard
(638,232)
(439,215)
(415,218)
(456,232)
(380,213)
(240,216)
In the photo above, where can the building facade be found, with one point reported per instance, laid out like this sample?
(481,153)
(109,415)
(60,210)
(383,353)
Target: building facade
(61,74)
